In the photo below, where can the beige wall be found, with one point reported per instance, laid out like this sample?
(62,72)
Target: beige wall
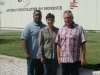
(86,14)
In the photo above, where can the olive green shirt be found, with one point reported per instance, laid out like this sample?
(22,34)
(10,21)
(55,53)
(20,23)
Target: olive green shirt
(47,47)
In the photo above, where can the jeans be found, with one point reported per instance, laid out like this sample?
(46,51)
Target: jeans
(70,68)
(50,66)
(34,67)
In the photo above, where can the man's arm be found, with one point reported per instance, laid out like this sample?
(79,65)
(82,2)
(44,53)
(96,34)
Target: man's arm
(25,46)
(58,53)
(83,54)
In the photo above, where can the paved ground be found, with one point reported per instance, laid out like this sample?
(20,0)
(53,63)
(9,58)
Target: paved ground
(17,66)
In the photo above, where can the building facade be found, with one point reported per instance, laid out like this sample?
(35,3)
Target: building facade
(15,14)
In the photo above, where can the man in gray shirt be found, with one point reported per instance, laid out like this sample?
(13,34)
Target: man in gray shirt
(30,44)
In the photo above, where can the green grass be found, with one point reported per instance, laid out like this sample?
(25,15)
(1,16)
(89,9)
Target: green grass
(10,44)
(92,50)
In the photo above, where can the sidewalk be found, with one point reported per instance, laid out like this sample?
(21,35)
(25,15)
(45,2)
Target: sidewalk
(16,66)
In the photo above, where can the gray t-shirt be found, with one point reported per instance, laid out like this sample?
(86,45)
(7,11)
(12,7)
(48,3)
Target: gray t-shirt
(30,34)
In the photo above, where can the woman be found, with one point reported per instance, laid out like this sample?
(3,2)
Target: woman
(47,46)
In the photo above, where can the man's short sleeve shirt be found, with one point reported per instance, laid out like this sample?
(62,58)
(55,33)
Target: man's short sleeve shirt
(30,34)
(70,39)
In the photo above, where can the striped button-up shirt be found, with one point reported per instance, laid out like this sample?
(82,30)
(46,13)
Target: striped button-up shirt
(70,39)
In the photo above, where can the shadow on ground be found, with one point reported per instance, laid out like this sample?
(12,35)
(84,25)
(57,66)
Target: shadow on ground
(3,41)
(92,66)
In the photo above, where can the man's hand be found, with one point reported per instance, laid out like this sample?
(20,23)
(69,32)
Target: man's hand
(28,56)
(42,59)
(59,61)
(82,62)
(25,46)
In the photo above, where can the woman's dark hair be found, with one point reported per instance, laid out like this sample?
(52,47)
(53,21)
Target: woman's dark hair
(49,15)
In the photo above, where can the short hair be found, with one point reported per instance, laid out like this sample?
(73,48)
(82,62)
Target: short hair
(37,11)
(68,11)
(49,15)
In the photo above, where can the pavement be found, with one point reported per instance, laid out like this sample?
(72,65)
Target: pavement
(16,66)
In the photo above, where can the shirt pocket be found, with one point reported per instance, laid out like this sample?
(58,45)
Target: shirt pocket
(34,33)
(46,36)
(63,36)
(73,36)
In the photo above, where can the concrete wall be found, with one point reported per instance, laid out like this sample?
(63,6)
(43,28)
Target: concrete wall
(17,66)
(17,14)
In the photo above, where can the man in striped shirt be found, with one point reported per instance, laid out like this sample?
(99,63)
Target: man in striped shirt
(70,39)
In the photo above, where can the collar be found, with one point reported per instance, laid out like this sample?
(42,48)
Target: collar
(51,29)
(34,23)
(71,26)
